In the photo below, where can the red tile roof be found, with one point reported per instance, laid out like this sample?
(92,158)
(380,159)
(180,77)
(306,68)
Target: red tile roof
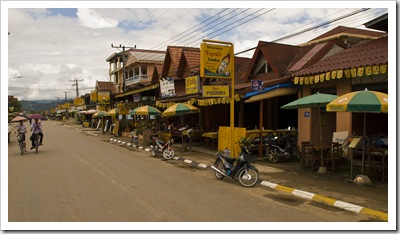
(191,57)
(354,32)
(366,53)
(106,86)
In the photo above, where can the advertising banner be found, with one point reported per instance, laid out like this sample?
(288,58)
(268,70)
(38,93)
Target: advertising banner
(215,91)
(167,87)
(215,61)
(192,84)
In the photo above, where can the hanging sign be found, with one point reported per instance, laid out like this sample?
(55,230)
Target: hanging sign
(167,87)
(192,84)
(216,61)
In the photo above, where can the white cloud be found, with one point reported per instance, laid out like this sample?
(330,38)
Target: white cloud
(91,19)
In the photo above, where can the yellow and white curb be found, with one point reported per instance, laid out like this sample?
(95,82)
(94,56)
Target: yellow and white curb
(328,201)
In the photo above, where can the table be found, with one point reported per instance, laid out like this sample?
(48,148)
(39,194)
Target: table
(210,136)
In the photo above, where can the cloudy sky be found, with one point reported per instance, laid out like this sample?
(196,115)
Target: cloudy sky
(51,44)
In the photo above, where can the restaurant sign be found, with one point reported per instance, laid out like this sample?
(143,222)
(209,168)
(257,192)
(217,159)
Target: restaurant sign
(192,84)
(216,91)
(216,61)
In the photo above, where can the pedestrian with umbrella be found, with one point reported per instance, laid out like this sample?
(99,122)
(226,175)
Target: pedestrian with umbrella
(21,130)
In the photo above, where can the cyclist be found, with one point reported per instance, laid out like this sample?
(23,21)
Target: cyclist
(36,127)
(21,129)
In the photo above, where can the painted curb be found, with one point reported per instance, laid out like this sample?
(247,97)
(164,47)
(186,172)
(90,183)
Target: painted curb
(328,201)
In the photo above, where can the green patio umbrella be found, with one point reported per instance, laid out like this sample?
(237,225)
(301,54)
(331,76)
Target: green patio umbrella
(316,100)
(145,110)
(364,101)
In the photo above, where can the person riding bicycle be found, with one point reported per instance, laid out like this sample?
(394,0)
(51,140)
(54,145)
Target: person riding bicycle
(36,127)
(21,129)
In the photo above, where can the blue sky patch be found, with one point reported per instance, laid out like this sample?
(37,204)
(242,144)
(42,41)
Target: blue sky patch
(67,12)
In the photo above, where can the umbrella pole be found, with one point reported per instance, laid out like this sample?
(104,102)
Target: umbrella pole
(321,169)
(363,153)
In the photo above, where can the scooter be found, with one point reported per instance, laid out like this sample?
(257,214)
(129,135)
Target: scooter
(164,148)
(283,148)
(243,170)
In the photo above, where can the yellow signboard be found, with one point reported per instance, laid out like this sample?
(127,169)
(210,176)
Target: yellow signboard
(192,84)
(103,97)
(122,109)
(79,102)
(93,96)
(216,61)
(215,91)
(224,139)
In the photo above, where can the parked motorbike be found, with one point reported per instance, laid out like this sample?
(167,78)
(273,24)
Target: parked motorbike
(239,169)
(283,148)
(163,148)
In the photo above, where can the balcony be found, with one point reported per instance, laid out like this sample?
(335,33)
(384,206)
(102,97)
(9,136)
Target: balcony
(135,79)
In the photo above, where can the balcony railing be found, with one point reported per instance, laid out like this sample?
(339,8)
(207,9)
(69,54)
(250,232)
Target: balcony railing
(135,79)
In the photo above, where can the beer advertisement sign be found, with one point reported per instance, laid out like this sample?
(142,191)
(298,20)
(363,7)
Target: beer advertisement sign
(192,84)
(216,61)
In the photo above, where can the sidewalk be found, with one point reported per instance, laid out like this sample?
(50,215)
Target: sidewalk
(288,177)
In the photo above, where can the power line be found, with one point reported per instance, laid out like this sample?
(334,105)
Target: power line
(309,29)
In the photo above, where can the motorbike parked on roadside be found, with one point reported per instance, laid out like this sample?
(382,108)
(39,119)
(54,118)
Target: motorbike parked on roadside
(283,148)
(163,148)
(239,169)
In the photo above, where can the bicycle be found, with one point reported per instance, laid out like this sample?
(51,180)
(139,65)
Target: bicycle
(21,143)
(36,139)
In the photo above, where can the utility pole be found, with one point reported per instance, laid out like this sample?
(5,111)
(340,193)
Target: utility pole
(123,62)
(76,84)
(65,92)
(58,100)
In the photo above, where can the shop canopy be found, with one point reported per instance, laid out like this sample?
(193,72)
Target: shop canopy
(270,92)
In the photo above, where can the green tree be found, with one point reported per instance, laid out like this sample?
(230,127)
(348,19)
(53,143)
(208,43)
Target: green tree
(16,105)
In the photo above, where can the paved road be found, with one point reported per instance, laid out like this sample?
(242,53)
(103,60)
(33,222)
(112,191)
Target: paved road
(79,178)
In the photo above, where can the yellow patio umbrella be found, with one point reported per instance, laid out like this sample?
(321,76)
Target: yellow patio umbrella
(180,109)
(145,110)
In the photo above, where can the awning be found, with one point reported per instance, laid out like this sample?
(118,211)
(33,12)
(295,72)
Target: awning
(270,92)
(139,90)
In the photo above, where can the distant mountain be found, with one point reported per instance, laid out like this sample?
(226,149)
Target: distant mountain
(38,105)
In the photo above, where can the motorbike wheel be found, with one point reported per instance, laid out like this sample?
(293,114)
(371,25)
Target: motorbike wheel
(272,156)
(154,151)
(248,179)
(219,165)
(168,154)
